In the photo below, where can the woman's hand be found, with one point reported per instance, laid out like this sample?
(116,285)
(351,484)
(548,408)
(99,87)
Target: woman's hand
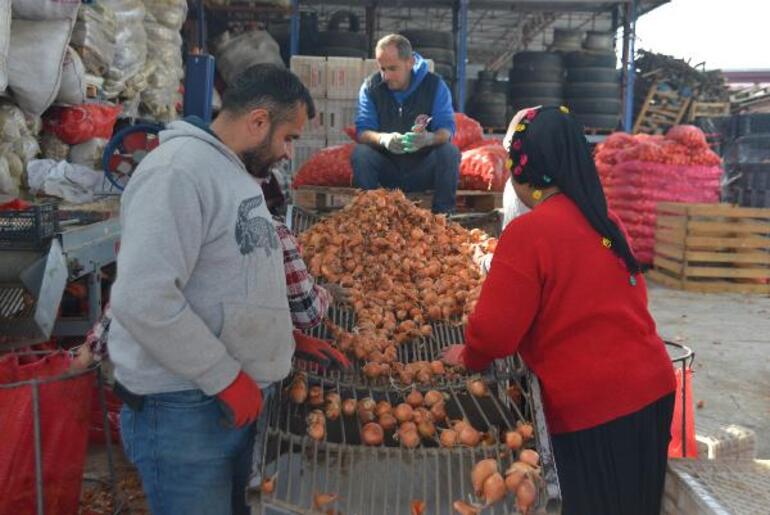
(453,355)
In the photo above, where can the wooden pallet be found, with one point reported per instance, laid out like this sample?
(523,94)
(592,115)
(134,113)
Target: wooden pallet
(661,110)
(709,109)
(324,198)
(712,248)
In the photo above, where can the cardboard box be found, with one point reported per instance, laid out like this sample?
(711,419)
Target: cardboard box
(311,70)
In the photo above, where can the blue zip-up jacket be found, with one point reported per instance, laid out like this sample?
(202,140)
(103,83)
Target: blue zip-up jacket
(442,113)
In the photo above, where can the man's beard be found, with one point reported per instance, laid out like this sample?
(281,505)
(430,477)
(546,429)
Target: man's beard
(258,160)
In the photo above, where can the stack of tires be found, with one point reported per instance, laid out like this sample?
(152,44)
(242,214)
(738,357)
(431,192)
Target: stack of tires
(593,83)
(488,103)
(438,46)
(335,41)
(566,40)
(537,78)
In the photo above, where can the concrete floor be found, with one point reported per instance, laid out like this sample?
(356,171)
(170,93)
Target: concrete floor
(730,335)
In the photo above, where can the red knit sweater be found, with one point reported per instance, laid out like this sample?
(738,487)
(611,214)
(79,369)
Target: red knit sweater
(565,302)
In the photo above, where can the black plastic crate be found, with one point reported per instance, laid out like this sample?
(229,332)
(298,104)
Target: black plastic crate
(748,197)
(28,228)
(753,176)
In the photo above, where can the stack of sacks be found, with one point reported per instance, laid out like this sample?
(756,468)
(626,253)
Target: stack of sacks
(639,171)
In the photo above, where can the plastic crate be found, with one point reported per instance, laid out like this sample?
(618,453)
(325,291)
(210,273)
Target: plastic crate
(339,114)
(344,76)
(311,70)
(28,228)
(316,127)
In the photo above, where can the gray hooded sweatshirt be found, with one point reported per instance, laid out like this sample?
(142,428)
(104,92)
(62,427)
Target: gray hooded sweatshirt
(200,291)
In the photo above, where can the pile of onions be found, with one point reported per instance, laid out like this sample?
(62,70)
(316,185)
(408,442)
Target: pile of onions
(403,267)
(521,479)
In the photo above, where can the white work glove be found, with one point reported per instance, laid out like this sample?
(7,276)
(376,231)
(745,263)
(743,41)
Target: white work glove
(392,142)
(414,141)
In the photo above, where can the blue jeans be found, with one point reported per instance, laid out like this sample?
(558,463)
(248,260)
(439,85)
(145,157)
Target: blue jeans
(190,460)
(437,169)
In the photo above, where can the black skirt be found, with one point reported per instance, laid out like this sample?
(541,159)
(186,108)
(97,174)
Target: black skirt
(617,468)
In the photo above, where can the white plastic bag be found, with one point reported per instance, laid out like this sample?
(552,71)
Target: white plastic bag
(73,80)
(237,53)
(88,153)
(45,9)
(53,148)
(7,184)
(73,183)
(35,62)
(130,49)
(164,67)
(94,37)
(5,41)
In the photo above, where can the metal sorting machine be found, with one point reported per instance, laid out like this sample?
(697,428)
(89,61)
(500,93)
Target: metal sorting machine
(387,479)
(42,248)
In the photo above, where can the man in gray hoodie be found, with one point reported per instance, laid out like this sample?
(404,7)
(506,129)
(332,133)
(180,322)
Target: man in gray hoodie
(201,321)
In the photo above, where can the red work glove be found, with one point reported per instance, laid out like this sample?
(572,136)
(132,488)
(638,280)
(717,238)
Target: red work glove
(241,401)
(318,351)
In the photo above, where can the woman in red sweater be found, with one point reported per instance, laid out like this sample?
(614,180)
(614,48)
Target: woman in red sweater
(565,291)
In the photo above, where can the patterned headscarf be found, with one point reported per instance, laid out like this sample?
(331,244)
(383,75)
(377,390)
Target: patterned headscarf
(548,148)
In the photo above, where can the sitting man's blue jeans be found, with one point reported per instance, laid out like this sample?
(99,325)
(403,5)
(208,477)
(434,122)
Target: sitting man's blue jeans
(190,459)
(436,169)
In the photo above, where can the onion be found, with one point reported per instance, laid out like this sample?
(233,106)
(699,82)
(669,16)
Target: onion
(433,397)
(349,407)
(268,485)
(298,390)
(333,397)
(438,412)
(316,396)
(409,439)
(516,473)
(408,426)
(469,436)
(414,399)
(426,330)
(316,431)
(493,489)
(332,411)
(448,438)
(526,430)
(424,377)
(406,376)
(426,429)
(513,440)
(372,370)
(403,412)
(530,457)
(321,500)
(367,403)
(477,387)
(463,508)
(365,416)
(316,417)
(372,434)
(481,471)
(422,415)
(526,493)
(382,408)
(437,367)
(417,508)
(388,421)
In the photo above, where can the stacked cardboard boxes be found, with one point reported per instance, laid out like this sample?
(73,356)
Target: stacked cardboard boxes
(334,83)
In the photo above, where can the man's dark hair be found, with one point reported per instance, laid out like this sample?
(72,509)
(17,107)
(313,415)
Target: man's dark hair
(270,87)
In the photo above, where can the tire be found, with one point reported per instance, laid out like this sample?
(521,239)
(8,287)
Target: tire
(593,90)
(522,102)
(429,38)
(519,75)
(440,55)
(339,39)
(592,74)
(532,89)
(487,75)
(342,52)
(537,60)
(595,106)
(445,71)
(599,41)
(591,60)
(598,121)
